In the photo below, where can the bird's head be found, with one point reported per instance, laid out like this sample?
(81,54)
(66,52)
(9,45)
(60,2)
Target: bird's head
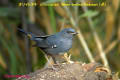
(68,33)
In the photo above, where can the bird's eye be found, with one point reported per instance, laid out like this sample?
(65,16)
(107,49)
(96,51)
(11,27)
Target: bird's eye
(70,32)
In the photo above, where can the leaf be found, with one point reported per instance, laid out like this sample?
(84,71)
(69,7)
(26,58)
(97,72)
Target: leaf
(89,13)
(41,59)
(5,12)
(13,61)
(52,18)
(110,24)
(51,1)
(2,62)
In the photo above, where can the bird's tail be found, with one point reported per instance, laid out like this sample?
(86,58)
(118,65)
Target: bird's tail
(28,34)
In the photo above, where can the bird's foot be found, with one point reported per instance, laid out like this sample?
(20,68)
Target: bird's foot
(70,61)
(53,68)
(68,58)
(56,64)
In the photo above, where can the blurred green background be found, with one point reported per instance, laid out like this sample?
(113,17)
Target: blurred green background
(99,28)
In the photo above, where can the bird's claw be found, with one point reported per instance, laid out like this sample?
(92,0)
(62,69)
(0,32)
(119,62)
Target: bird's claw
(70,61)
(68,58)
(53,68)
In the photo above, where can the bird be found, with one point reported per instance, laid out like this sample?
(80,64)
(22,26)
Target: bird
(55,44)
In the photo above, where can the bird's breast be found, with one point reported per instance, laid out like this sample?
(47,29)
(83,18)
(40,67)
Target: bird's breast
(62,46)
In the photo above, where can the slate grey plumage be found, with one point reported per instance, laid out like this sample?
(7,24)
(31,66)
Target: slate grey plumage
(55,44)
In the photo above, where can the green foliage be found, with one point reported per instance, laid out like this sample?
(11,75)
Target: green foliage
(41,59)
(13,66)
(52,18)
(12,45)
(52,1)
(6,12)
(89,13)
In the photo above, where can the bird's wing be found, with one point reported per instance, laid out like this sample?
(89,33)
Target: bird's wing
(41,41)
(45,41)
(43,36)
(52,41)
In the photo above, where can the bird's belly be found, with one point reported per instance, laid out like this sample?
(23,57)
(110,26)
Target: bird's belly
(60,49)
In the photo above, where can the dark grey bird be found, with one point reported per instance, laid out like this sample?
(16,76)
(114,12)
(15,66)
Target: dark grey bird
(56,44)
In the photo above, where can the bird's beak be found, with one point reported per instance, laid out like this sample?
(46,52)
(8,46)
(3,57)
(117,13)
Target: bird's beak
(77,33)
(74,33)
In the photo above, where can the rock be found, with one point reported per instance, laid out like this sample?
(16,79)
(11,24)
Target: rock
(71,71)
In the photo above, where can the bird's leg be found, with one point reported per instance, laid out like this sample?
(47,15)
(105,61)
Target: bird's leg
(54,60)
(67,58)
(50,62)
